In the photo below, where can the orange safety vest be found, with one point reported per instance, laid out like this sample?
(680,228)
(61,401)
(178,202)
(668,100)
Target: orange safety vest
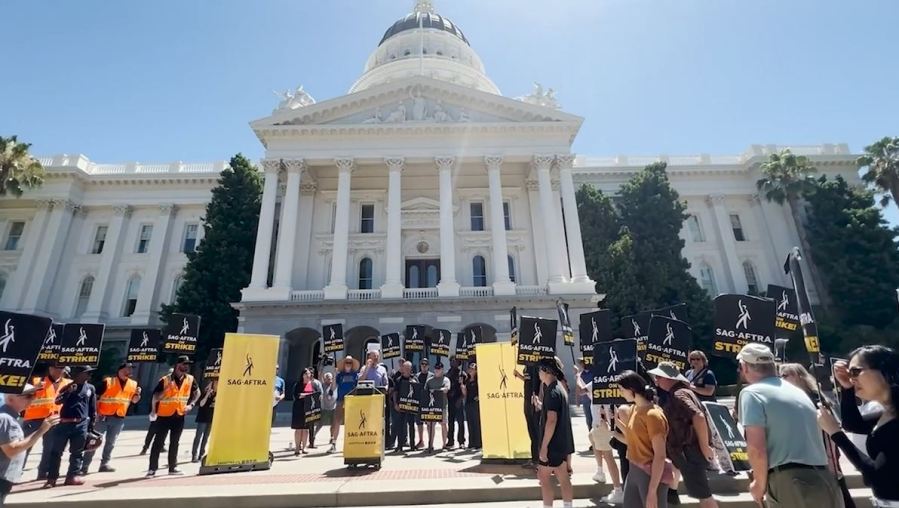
(115,399)
(44,403)
(175,398)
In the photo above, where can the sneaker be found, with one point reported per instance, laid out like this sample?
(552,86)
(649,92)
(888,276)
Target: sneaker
(151,473)
(194,459)
(600,476)
(143,451)
(49,485)
(176,472)
(333,448)
(106,469)
(74,480)
(614,497)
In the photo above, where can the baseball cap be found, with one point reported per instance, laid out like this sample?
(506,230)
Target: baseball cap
(83,370)
(755,354)
(438,366)
(425,361)
(668,370)
(125,366)
(28,389)
(183,359)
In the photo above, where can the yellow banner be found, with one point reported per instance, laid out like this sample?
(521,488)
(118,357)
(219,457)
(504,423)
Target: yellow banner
(504,432)
(364,428)
(242,425)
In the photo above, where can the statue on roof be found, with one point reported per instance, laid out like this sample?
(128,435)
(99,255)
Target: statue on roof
(541,97)
(294,99)
(423,7)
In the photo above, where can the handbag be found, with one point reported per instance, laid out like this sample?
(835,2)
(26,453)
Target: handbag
(667,473)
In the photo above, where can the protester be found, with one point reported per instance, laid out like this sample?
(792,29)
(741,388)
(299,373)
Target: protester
(305,387)
(872,375)
(374,370)
(279,393)
(346,378)
(784,444)
(153,427)
(43,406)
(77,417)
(584,398)
(174,396)
(115,396)
(13,442)
(329,405)
(798,376)
(556,438)
(688,442)
(601,438)
(645,429)
(205,412)
(403,424)
(423,375)
(456,403)
(701,378)
(531,379)
(439,383)
(472,406)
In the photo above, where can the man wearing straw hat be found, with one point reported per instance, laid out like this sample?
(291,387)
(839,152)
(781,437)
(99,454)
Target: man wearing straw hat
(346,378)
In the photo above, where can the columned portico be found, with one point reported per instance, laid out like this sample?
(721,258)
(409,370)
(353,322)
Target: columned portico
(726,235)
(150,286)
(337,288)
(111,250)
(501,283)
(448,285)
(393,282)
(548,206)
(56,232)
(262,252)
(572,222)
(287,233)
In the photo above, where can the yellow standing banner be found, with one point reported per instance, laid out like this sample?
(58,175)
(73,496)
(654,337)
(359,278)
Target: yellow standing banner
(242,424)
(364,429)
(504,431)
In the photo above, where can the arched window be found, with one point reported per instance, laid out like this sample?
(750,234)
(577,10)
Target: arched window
(752,280)
(479,271)
(175,287)
(511,269)
(707,280)
(2,283)
(84,295)
(131,292)
(365,273)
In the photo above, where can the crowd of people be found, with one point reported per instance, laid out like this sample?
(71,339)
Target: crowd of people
(662,434)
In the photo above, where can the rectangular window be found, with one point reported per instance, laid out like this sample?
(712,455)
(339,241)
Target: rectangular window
(507,215)
(477,216)
(695,228)
(99,240)
(143,238)
(368,219)
(190,238)
(737,226)
(14,235)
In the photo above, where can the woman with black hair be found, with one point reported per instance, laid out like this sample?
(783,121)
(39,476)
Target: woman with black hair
(872,374)
(646,430)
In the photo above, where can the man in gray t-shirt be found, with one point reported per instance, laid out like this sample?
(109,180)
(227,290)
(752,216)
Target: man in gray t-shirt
(438,385)
(13,443)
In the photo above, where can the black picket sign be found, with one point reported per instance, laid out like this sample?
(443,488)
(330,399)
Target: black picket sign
(433,405)
(594,327)
(513,325)
(52,344)
(741,319)
(181,334)
(143,346)
(390,346)
(332,337)
(461,346)
(669,341)
(636,326)
(565,323)
(804,307)
(414,339)
(81,343)
(610,359)
(213,364)
(312,408)
(409,396)
(536,340)
(21,340)
(727,429)
(475,337)
(439,342)
(787,312)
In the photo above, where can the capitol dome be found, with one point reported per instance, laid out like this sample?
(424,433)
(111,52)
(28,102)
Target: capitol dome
(425,43)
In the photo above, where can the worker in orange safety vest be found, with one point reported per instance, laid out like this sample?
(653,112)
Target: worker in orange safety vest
(44,405)
(114,396)
(174,396)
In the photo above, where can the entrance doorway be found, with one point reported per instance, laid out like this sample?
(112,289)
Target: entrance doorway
(422,273)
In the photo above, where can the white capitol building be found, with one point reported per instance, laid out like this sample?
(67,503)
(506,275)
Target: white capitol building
(422,196)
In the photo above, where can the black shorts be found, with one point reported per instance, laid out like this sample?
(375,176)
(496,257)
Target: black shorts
(693,468)
(553,460)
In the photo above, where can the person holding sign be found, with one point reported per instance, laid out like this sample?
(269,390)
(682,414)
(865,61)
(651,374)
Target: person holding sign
(785,450)
(403,424)
(13,442)
(174,396)
(438,384)
(205,412)
(556,438)
(116,394)
(472,407)
(43,406)
(77,416)
(346,379)
(702,380)
(304,388)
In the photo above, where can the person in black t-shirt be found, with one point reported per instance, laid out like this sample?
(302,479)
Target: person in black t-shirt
(531,395)
(457,378)
(205,410)
(556,438)
(472,407)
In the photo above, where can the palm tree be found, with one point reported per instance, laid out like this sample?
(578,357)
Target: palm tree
(882,161)
(785,177)
(18,169)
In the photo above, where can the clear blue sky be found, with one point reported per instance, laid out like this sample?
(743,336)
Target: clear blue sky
(172,80)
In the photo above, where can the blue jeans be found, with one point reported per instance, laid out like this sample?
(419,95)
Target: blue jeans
(588,412)
(110,427)
(29,427)
(199,446)
(75,436)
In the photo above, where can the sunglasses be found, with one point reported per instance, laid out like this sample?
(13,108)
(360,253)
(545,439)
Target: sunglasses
(855,372)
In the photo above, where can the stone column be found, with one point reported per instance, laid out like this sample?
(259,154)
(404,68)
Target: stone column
(156,256)
(337,288)
(262,253)
(537,239)
(18,283)
(501,283)
(726,235)
(46,264)
(287,232)
(554,255)
(573,225)
(96,306)
(448,285)
(775,262)
(393,282)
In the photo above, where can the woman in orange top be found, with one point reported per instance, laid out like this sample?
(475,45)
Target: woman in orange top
(646,429)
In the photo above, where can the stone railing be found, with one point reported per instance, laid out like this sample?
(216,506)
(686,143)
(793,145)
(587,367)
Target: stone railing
(130,168)
(307,296)
(476,291)
(530,290)
(419,293)
(363,294)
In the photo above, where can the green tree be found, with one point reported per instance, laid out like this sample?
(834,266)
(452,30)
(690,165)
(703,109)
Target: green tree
(862,264)
(882,162)
(18,169)
(785,177)
(222,264)
(600,228)
(619,278)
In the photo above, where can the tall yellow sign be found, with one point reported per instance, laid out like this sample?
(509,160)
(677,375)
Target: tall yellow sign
(504,432)
(241,427)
